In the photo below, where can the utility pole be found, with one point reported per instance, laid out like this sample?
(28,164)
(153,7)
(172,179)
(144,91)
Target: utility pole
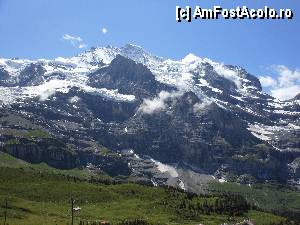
(5,212)
(72,211)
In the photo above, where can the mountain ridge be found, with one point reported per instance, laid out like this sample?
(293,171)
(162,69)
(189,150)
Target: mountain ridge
(194,111)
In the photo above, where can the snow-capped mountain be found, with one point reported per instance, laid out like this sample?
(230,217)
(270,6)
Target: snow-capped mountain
(192,116)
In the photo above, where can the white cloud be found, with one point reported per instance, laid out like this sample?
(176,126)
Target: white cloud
(285,93)
(74,99)
(72,38)
(150,106)
(285,86)
(267,81)
(76,41)
(104,30)
(200,106)
(47,89)
(228,74)
(287,77)
(82,45)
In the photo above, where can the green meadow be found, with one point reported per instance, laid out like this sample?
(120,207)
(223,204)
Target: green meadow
(38,194)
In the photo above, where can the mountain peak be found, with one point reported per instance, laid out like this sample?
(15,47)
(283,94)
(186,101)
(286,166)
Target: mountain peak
(133,46)
(189,58)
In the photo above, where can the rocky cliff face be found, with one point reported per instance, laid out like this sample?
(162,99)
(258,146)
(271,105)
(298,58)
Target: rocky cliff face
(163,121)
(49,151)
(57,154)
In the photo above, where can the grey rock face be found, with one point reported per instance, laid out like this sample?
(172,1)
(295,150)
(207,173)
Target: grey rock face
(128,77)
(31,75)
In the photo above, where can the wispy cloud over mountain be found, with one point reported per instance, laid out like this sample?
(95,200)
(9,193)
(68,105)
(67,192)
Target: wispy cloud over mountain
(76,41)
(285,86)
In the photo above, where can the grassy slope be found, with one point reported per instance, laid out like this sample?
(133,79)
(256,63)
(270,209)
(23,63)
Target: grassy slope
(38,194)
(268,197)
(8,161)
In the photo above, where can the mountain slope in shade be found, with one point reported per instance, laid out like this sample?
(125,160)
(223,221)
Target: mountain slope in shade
(162,119)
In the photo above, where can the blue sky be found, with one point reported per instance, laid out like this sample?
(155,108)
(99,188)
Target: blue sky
(35,29)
